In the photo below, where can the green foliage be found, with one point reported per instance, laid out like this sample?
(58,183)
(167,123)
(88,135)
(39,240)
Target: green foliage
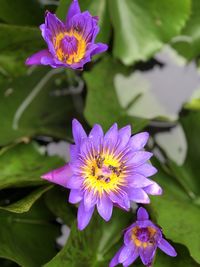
(28,238)
(22,165)
(38,104)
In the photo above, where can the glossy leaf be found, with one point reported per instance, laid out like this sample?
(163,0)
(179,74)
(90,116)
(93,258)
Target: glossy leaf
(162,19)
(102,104)
(22,165)
(24,204)
(34,104)
(177,214)
(21,13)
(188,43)
(28,238)
(92,246)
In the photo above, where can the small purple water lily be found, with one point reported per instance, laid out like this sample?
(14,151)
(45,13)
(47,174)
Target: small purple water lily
(142,239)
(70,44)
(106,170)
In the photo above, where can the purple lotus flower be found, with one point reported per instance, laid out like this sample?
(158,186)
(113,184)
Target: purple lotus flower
(106,170)
(70,44)
(142,239)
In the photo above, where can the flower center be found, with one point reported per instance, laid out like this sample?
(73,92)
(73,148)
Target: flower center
(70,47)
(143,236)
(103,173)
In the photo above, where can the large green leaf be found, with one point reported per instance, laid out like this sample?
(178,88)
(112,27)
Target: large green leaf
(177,214)
(35,104)
(188,173)
(57,201)
(188,43)
(94,245)
(18,43)
(22,165)
(97,8)
(28,238)
(24,204)
(142,27)
(21,12)
(102,104)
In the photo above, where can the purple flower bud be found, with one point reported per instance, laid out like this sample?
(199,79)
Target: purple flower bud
(141,239)
(105,170)
(71,44)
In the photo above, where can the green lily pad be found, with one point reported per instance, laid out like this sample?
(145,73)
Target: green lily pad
(29,238)
(102,104)
(142,27)
(23,165)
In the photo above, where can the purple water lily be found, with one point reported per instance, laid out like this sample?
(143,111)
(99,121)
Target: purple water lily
(70,44)
(106,170)
(142,239)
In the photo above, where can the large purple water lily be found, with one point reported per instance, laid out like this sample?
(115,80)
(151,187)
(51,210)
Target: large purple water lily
(106,170)
(142,239)
(70,44)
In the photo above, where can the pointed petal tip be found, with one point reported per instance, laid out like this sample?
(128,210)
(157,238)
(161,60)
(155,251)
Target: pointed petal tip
(47,176)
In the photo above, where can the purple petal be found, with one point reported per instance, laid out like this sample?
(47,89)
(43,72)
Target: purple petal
(126,253)
(75,196)
(59,176)
(120,198)
(146,169)
(142,214)
(147,254)
(105,207)
(138,181)
(78,131)
(100,48)
(165,246)
(73,152)
(37,57)
(72,11)
(111,136)
(153,189)
(74,182)
(124,135)
(138,195)
(138,158)
(84,216)
(139,140)
(96,135)
(53,24)
(131,258)
(115,259)
(90,199)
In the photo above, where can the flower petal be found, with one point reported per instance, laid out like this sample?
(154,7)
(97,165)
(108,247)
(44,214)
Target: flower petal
(78,131)
(100,48)
(74,182)
(138,158)
(142,214)
(146,169)
(147,254)
(75,196)
(131,258)
(153,189)
(138,181)
(165,246)
(53,24)
(105,207)
(125,253)
(96,135)
(90,200)
(37,57)
(138,195)
(59,176)
(110,138)
(138,141)
(84,216)
(115,259)
(73,152)
(120,198)
(124,135)
(72,11)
